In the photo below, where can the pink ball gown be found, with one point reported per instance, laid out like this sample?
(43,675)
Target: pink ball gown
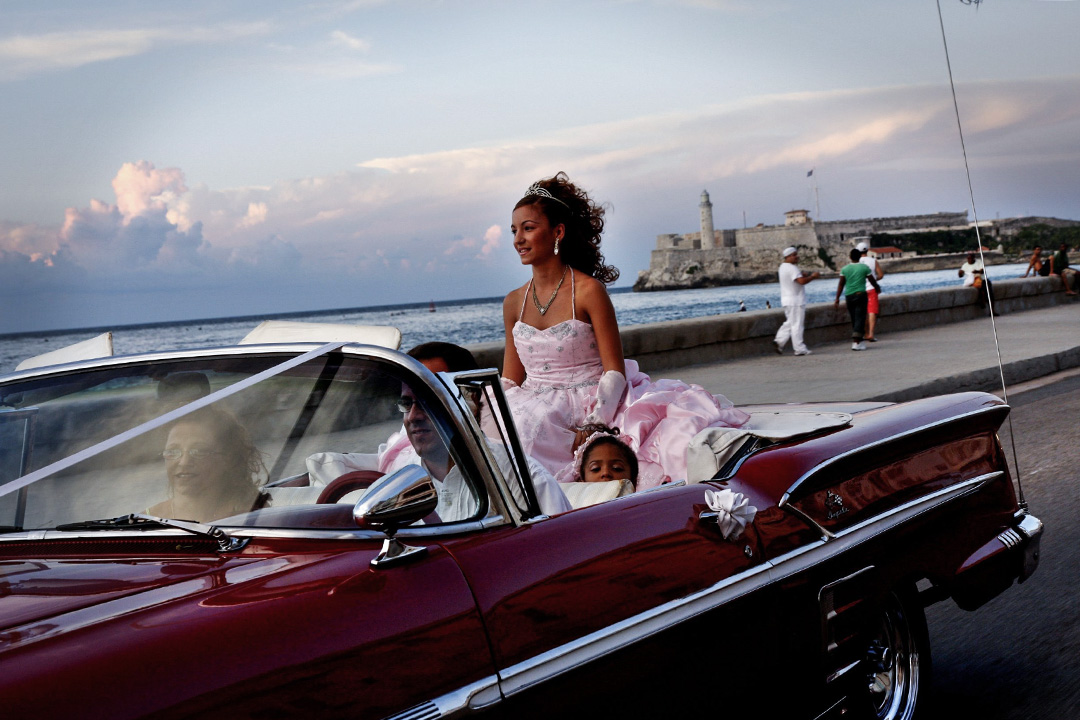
(563,369)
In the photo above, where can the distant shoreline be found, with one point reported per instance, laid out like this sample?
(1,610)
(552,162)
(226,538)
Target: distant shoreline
(262,316)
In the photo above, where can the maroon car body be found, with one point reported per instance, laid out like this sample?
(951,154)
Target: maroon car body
(814,610)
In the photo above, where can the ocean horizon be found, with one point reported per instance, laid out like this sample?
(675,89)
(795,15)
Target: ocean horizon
(466,321)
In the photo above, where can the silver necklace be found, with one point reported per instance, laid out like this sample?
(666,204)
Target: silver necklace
(536,301)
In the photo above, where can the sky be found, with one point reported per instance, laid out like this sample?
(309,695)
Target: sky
(165,161)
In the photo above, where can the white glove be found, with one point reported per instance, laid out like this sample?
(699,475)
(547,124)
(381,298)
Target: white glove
(609,395)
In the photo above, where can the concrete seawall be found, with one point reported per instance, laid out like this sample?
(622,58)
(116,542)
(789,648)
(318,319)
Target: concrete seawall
(681,343)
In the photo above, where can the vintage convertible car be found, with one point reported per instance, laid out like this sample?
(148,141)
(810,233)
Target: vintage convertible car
(143,573)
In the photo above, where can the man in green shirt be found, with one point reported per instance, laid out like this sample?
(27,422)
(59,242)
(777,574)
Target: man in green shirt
(1059,265)
(853,279)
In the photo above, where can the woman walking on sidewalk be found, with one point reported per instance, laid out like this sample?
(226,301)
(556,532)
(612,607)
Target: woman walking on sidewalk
(853,279)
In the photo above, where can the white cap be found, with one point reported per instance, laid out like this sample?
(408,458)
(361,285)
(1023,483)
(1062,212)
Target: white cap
(862,247)
(788,251)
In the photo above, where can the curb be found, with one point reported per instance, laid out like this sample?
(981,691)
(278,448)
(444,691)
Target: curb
(988,379)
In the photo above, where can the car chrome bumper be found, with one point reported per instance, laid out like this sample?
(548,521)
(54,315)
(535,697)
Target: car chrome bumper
(1013,554)
(1030,529)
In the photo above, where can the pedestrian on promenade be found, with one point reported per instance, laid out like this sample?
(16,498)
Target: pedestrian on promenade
(793,300)
(871,294)
(853,279)
(1059,265)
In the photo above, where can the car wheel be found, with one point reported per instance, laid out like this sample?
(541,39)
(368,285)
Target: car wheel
(898,658)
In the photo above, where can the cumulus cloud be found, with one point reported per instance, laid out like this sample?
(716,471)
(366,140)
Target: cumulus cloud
(476,248)
(256,215)
(141,188)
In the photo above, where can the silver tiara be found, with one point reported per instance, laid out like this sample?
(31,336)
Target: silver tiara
(535,189)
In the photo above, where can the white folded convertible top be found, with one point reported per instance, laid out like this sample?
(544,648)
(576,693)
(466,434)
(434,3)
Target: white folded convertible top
(287,331)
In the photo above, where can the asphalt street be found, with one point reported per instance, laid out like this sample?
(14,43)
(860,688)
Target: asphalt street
(1019,655)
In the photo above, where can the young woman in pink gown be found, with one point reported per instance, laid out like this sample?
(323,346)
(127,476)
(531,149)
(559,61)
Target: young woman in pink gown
(564,366)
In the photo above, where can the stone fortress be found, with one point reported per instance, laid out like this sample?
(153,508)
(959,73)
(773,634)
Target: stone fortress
(712,258)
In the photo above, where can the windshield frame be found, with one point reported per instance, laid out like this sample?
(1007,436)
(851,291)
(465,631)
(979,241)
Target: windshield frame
(474,454)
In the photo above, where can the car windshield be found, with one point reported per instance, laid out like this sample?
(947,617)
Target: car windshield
(233,440)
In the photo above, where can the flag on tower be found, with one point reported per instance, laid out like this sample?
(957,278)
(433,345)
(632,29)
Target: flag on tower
(810,173)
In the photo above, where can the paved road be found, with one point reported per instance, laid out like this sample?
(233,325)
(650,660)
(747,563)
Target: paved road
(1019,655)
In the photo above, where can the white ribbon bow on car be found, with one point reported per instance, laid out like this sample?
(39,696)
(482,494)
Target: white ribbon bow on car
(733,511)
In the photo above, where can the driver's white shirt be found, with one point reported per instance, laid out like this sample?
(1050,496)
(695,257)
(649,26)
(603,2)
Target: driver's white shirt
(456,498)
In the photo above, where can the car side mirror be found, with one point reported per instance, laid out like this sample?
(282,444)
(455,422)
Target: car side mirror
(394,501)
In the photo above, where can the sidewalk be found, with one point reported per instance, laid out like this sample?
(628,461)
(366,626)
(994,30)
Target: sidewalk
(903,365)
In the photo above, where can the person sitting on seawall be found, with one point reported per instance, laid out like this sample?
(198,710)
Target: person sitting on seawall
(213,468)
(563,365)
(1036,266)
(872,307)
(853,279)
(418,443)
(974,276)
(604,468)
(1059,265)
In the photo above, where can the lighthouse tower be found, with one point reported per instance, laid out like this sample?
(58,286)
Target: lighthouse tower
(708,237)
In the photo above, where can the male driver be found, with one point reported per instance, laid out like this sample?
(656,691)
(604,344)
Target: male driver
(871,294)
(457,499)
(419,443)
(793,300)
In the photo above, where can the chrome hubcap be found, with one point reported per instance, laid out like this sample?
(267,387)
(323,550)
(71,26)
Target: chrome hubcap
(892,665)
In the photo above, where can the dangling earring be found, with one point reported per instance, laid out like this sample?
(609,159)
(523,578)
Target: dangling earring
(557,245)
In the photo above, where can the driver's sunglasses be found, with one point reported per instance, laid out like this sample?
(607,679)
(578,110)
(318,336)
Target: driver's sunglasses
(406,404)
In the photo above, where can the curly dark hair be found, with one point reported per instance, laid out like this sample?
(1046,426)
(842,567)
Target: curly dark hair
(584,222)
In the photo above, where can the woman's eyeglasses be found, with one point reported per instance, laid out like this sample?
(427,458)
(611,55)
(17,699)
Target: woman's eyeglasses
(174,454)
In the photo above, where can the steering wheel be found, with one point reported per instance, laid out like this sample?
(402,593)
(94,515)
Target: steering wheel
(341,486)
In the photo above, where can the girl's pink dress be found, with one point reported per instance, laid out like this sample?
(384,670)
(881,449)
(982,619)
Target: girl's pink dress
(563,368)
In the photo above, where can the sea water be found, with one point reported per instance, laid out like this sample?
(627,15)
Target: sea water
(465,322)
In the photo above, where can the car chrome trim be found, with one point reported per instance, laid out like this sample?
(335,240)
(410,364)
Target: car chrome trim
(869,447)
(1010,538)
(833,677)
(1030,526)
(434,383)
(247,531)
(814,524)
(116,361)
(556,661)
(476,696)
(165,419)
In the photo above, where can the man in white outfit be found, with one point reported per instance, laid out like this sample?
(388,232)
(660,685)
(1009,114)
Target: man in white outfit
(793,300)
